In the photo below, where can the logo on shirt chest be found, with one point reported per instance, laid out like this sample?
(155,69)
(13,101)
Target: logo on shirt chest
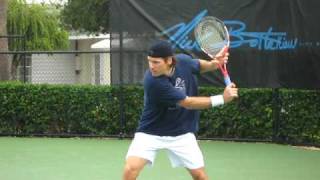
(180,84)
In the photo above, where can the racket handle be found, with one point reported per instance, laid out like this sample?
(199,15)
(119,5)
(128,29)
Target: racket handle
(227,80)
(226,49)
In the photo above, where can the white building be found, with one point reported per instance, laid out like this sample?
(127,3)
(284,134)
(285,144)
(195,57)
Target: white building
(82,68)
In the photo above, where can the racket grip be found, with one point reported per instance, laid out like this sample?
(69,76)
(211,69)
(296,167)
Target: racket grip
(226,49)
(227,80)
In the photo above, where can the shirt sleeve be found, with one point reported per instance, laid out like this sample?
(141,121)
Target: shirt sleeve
(187,62)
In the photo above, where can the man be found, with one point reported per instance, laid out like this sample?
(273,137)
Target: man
(170,117)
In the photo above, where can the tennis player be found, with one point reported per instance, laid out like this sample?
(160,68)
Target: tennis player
(170,115)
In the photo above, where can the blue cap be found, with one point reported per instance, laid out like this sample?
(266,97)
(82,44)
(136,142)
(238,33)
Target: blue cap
(161,48)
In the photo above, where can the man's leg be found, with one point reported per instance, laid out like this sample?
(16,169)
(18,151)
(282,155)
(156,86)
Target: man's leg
(186,152)
(142,150)
(133,167)
(198,174)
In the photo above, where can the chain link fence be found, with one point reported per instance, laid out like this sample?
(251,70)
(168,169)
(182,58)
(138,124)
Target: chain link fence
(87,61)
(61,68)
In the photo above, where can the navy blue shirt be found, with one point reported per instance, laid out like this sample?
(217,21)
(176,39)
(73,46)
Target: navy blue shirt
(162,115)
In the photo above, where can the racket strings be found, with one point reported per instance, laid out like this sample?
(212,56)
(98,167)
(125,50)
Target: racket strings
(210,35)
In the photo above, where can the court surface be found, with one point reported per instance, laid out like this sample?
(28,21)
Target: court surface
(103,159)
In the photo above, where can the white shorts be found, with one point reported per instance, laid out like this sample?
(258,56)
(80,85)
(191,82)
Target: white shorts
(182,150)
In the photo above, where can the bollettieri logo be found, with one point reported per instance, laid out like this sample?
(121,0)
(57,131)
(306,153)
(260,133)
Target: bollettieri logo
(269,40)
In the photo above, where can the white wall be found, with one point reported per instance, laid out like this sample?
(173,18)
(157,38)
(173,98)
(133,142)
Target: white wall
(53,69)
(82,68)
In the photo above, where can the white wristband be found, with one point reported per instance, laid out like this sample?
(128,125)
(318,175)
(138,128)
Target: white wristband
(216,100)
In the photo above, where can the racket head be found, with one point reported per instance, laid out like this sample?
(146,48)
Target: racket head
(212,35)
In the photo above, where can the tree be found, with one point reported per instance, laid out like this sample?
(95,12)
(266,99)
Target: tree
(40,26)
(87,16)
(4,60)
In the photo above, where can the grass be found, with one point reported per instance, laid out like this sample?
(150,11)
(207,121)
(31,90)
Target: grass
(103,159)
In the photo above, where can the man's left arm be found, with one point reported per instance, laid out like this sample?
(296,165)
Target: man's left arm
(213,64)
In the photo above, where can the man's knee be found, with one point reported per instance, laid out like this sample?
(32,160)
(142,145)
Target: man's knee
(199,174)
(132,168)
(129,169)
(130,172)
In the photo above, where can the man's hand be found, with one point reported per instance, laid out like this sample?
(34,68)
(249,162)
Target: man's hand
(221,58)
(230,92)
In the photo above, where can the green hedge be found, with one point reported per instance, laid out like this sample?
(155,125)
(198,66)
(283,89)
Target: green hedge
(50,109)
(95,110)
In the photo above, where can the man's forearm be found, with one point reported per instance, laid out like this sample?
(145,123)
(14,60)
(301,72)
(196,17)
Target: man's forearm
(206,66)
(201,102)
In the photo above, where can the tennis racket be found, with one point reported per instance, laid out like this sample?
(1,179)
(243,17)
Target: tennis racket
(213,38)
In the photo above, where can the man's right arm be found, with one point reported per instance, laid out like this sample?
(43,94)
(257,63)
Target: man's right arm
(230,92)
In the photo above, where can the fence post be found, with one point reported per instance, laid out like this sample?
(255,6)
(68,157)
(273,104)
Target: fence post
(122,108)
(24,59)
(275,114)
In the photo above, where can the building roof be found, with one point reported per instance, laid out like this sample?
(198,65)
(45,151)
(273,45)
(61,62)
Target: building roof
(84,36)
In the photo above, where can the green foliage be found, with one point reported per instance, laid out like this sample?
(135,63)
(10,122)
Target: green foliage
(87,16)
(133,107)
(300,116)
(27,108)
(39,24)
(250,116)
(95,110)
